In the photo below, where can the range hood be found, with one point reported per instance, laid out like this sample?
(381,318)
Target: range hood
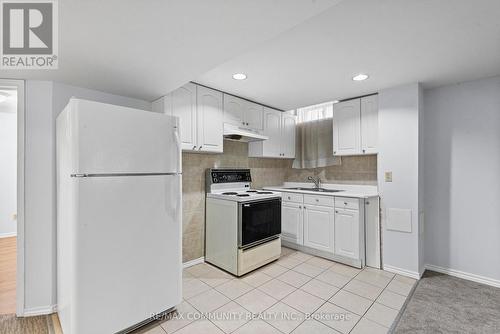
(232,132)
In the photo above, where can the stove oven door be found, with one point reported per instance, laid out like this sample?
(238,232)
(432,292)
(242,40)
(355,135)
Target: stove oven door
(259,221)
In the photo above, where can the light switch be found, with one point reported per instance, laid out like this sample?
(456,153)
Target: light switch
(388,176)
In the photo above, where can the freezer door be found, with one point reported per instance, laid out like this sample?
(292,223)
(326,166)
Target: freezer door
(114,139)
(127,251)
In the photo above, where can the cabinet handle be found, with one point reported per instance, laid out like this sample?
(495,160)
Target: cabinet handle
(247,123)
(194,147)
(288,197)
(300,207)
(336,211)
(334,152)
(363,151)
(199,148)
(304,207)
(317,199)
(345,203)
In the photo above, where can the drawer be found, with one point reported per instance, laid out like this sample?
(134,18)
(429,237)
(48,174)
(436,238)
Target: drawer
(347,203)
(319,200)
(292,197)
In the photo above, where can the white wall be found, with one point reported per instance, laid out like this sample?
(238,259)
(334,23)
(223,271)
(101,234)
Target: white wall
(8,171)
(462,177)
(44,101)
(399,112)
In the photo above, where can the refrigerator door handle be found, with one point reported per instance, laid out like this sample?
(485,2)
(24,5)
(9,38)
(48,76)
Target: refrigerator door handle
(179,147)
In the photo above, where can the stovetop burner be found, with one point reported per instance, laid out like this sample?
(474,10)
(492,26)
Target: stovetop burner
(230,193)
(243,195)
(264,192)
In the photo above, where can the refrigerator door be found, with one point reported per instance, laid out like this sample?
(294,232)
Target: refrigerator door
(112,139)
(126,251)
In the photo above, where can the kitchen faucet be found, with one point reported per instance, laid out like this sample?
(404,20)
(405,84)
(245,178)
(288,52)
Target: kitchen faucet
(315,180)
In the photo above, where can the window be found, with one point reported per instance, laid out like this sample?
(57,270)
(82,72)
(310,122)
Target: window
(315,113)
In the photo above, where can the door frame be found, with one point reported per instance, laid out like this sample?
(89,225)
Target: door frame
(20,286)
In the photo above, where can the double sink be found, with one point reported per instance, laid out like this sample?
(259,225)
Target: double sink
(320,190)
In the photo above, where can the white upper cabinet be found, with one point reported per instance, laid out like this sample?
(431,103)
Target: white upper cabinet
(355,126)
(347,128)
(369,124)
(280,128)
(210,126)
(200,116)
(234,108)
(288,125)
(243,113)
(253,115)
(272,128)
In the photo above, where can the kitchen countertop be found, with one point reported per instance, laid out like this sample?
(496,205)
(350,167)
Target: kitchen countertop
(348,190)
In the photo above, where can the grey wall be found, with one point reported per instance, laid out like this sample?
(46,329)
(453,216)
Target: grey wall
(462,177)
(44,101)
(399,115)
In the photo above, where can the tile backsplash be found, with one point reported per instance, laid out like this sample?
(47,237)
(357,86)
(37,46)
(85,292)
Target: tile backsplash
(265,172)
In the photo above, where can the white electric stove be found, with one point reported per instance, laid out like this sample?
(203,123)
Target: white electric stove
(243,225)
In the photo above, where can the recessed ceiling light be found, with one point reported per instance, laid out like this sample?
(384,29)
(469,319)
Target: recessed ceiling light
(239,76)
(360,77)
(335,101)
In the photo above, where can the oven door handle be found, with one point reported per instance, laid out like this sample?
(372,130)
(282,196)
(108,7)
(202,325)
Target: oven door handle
(246,205)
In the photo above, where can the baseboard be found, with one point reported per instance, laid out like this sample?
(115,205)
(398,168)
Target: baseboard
(464,275)
(193,262)
(42,310)
(402,272)
(8,235)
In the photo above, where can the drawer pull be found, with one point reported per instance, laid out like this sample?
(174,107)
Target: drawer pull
(317,199)
(345,203)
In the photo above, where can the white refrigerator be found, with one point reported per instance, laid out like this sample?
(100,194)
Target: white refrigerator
(118,217)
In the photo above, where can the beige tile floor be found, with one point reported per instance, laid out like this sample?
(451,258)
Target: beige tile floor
(299,293)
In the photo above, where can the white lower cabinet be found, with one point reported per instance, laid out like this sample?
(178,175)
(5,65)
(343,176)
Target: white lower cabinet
(319,227)
(292,225)
(330,226)
(347,233)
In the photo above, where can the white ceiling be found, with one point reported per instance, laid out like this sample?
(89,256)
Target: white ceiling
(145,49)
(435,42)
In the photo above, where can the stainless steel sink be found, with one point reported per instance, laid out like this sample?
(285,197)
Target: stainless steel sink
(323,190)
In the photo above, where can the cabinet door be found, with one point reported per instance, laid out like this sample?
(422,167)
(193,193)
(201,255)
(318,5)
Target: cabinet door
(291,222)
(288,135)
(210,126)
(319,227)
(347,128)
(253,116)
(369,124)
(347,233)
(234,108)
(184,107)
(272,128)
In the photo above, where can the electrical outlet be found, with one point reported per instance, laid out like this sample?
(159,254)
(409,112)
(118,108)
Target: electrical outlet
(388,176)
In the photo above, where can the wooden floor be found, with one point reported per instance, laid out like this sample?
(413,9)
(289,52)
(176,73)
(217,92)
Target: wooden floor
(8,275)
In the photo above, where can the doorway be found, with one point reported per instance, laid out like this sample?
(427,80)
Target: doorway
(11,194)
